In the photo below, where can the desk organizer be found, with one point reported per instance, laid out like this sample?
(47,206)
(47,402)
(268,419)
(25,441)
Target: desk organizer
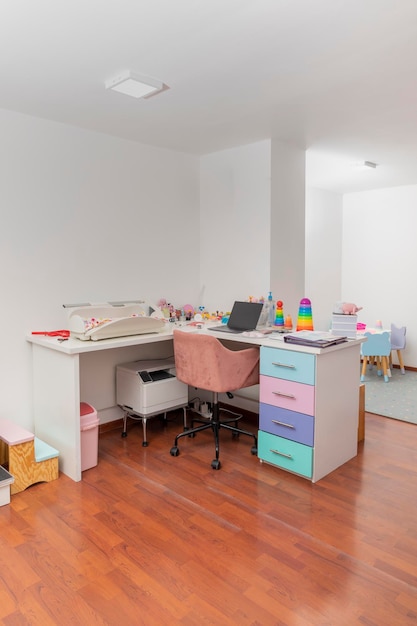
(344,325)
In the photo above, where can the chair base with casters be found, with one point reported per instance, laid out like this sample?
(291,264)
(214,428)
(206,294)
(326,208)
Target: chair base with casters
(215,423)
(136,416)
(204,362)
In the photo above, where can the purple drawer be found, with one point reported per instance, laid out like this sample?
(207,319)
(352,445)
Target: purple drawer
(289,424)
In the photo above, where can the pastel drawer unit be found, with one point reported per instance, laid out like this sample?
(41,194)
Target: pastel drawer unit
(287,394)
(289,424)
(288,364)
(289,455)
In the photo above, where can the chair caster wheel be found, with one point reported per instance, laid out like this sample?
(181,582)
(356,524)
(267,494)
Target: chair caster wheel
(254,450)
(124,434)
(145,444)
(215,464)
(174,451)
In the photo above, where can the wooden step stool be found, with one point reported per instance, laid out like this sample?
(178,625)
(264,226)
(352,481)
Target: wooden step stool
(30,460)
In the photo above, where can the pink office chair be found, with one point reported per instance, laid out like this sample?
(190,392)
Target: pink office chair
(202,361)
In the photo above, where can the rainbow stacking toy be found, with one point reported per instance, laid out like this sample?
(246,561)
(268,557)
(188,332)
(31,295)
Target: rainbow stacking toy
(279,315)
(305,317)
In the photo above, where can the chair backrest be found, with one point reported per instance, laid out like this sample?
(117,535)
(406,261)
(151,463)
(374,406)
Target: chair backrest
(203,361)
(398,340)
(376,344)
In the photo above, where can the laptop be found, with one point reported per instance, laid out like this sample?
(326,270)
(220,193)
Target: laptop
(244,316)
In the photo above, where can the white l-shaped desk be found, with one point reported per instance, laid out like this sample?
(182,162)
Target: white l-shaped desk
(60,367)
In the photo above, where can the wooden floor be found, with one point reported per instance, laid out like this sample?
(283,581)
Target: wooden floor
(149,539)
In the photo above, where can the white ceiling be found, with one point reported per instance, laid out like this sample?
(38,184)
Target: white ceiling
(336,77)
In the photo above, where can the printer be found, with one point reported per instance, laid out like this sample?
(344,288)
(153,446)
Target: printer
(148,388)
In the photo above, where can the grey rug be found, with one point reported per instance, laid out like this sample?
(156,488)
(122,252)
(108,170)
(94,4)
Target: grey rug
(396,399)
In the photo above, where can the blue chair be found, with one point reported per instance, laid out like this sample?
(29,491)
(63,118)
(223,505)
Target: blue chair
(378,347)
(398,343)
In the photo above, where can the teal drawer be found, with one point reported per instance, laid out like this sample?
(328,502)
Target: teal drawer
(288,364)
(289,455)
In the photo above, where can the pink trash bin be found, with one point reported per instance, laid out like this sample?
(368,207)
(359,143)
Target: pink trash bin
(89,436)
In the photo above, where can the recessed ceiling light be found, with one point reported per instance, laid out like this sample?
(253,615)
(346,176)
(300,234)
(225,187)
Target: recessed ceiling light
(135,85)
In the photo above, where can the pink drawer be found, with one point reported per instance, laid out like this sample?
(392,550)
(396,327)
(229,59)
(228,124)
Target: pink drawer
(287,394)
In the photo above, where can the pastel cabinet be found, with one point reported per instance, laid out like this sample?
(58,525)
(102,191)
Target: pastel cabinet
(308,407)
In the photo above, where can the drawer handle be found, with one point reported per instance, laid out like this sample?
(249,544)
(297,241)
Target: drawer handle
(287,456)
(283,424)
(287,365)
(285,395)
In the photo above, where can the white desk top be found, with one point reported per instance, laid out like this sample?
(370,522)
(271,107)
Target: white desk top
(74,346)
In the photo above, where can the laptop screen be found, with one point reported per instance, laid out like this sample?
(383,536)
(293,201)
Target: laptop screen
(245,315)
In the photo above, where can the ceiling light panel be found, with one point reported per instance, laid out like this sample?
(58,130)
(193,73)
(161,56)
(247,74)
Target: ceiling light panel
(134,85)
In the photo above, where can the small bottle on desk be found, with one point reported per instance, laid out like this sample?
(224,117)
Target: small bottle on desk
(271,310)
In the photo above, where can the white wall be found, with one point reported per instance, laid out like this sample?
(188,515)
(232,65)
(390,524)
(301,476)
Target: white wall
(324,224)
(287,232)
(235,206)
(86,217)
(252,204)
(379,258)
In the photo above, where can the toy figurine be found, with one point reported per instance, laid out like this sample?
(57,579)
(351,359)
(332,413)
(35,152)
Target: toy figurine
(346,308)
(288,323)
(279,314)
(305,316)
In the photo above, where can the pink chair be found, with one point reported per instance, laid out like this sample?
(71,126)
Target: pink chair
(202,361)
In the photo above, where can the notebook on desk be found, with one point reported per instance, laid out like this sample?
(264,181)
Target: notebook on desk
(314,339)
(244,317)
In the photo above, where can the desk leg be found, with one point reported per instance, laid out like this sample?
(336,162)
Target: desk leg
(56,402)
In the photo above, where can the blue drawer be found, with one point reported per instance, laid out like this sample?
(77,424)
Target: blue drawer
(288,364)
(285,423)
(287,454)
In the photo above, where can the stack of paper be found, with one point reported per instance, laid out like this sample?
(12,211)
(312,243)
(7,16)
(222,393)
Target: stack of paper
(314,338)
